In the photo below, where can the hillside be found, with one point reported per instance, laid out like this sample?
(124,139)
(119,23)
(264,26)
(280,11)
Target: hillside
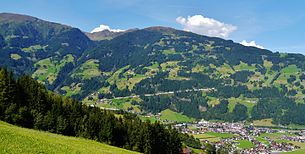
(21,140)
(26,40)
(157,68)
(26,102)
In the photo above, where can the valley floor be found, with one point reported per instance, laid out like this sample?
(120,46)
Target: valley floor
(247,138)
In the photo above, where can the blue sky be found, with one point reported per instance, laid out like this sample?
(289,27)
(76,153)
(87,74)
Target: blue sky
(278,25)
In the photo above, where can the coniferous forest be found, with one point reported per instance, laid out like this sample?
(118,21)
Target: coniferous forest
(27,103)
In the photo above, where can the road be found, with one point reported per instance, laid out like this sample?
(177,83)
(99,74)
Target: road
(157,94)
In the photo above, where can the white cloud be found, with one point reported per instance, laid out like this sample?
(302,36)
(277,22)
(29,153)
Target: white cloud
(251,43)
(105,27)
(206,26)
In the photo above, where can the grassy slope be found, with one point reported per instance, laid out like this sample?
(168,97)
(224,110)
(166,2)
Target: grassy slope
(21,140)
(48,69)
(174,116)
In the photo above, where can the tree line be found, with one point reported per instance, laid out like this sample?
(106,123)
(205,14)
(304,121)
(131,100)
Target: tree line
(27,103)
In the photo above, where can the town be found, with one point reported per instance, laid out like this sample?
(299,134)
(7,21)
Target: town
(247,139)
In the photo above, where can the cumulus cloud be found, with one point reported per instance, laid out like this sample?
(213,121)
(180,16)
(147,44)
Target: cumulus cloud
(206,26)
(105,27)
(251,43)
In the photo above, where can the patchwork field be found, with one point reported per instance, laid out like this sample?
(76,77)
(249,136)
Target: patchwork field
(48,69)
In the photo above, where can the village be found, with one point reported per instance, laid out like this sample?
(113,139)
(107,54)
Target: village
(247,139)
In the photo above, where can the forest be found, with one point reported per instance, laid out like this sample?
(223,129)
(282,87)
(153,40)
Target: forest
(27,103)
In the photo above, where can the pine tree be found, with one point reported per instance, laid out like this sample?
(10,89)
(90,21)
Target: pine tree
(8,92)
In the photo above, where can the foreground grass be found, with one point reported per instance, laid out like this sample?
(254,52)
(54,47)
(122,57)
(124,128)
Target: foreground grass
(14,139)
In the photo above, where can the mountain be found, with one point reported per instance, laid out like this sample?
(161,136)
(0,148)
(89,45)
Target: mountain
(21,140)
(106,34)
(157,68)
(28,40)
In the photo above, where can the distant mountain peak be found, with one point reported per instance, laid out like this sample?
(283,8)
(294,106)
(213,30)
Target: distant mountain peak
(159,28)
(18,17)
(107,34)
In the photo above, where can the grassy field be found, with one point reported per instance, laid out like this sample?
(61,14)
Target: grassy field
(299,151)
(127,79)
(291,69)
(169,52)
(207,137)
(263,122)
(174,116)
(261,139)
(212,101)
(123,104)
(225,70)
(151,118)
(15,56)
(213,136)
(89,69)
(34,48)
(14,139)
(295,126)
(248,102)
(244,66)
(245,144)
(221,135)
(48,69)
(115,76)
(71,90)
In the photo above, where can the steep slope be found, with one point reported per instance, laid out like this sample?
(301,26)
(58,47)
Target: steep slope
(21,140)
(25,31)
(26,43)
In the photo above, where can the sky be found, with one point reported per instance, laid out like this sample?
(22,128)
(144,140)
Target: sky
(277,25)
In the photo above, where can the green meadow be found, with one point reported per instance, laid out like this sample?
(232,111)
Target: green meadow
(174,116)
(18,140)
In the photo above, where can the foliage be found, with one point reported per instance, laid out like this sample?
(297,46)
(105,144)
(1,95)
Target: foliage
(27,103)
